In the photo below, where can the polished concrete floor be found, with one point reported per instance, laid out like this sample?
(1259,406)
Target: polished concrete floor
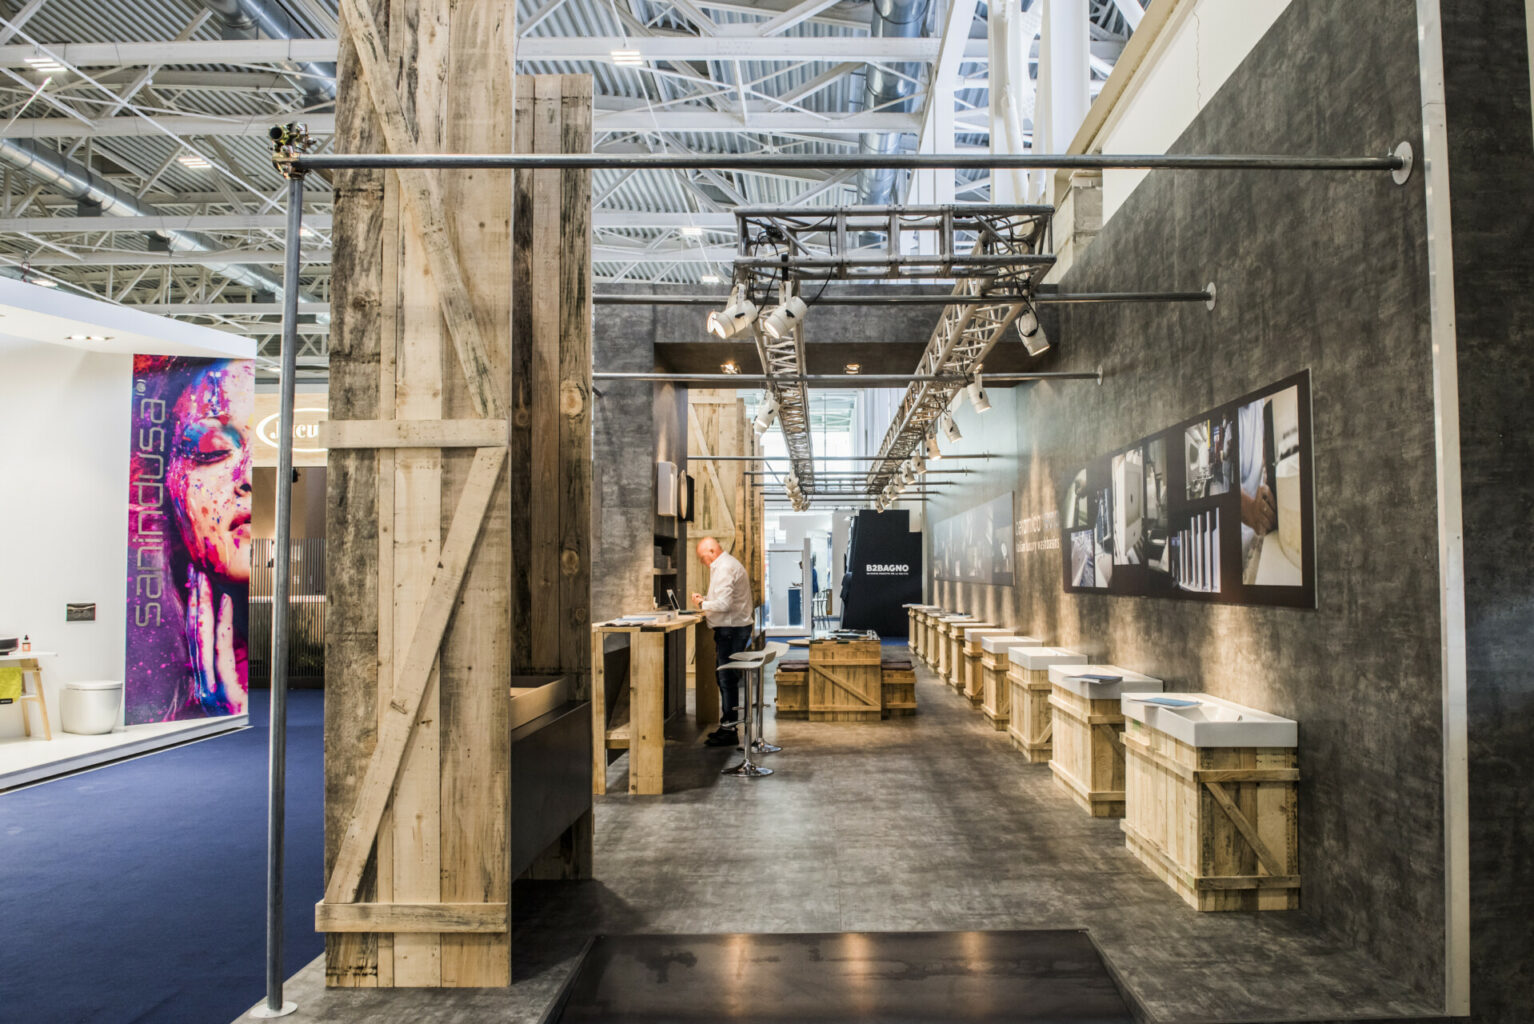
(924,823)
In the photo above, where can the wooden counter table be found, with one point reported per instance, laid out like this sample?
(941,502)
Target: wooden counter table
(632,714)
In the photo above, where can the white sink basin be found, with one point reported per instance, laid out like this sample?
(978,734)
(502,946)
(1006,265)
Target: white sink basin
(996,642)
(1032,656)
(956,618)
(981,629)
(1077,679)
(1205,721)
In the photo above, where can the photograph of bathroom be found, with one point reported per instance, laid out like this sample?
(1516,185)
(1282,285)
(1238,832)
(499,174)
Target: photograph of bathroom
(1272,514)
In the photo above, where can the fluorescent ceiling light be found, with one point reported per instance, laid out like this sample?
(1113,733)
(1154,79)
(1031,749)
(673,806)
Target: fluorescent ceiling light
(47,65)
(193,160)
(709,278)
(627,58)
(692,231)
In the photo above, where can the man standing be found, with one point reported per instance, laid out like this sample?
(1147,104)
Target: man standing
(729,611)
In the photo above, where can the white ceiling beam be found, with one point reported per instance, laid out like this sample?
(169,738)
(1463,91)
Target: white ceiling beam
(793,16)
(158,127)
(855,18)
(20,18)
(225,308)
(769,123)
(835,49)
(819,82)
(169,222)
(253,257)
(1132,12)
(192,51)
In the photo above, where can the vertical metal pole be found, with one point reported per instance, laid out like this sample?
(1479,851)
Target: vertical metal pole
(277,753)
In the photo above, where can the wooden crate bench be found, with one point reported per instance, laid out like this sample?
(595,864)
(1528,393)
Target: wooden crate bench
(1219,824)
(792,684)
(955,668)
(846,681)
(995,695)
(1088,756)
(1030,725)
(898,687)
(971,680)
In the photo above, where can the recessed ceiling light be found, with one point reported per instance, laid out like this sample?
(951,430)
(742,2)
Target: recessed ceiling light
(193,160)
(730,366)
(627,58)
(853,368)
(89,337)
(709,278)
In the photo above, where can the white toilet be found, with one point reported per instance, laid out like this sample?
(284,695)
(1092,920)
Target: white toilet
(91,707)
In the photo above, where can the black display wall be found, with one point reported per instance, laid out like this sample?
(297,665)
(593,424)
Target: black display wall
(884,573)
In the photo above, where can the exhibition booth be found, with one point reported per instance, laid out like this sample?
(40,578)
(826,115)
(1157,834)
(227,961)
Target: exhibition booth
(125,544)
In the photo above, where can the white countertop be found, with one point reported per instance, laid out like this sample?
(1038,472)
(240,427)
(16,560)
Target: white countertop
(26,655)
(1032,656)
(1212,721)
(995,643)
(1073,678)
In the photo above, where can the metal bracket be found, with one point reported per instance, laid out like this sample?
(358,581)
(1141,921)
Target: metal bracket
(1401,175)
(289,142)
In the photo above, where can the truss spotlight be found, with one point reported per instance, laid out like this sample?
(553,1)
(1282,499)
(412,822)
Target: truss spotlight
(918,464)
(766,416)
(782,320)
(733,318)
(1031,331)
(951,429)
(977,396)
(933,451)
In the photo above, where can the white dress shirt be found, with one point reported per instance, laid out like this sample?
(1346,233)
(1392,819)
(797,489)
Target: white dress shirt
(728,601)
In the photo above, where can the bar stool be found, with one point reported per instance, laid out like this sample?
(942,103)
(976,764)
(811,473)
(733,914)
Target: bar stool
(751,672)
(777,649)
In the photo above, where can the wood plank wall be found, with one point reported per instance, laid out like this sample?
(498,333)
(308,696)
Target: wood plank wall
(432,545)
(726,506)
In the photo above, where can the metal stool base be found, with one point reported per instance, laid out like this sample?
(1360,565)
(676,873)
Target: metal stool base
(747,770)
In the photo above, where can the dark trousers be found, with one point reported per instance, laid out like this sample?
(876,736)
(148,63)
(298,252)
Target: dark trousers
(729,640)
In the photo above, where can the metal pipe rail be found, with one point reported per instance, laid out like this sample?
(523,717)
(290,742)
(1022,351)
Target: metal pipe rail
(836,380)
(1391,162)
(1041,298)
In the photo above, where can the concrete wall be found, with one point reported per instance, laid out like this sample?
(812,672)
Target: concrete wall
(1319,271)
(1491,184)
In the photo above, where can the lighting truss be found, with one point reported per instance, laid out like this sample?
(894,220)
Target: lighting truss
(964,335)
(783,363)
(859,243)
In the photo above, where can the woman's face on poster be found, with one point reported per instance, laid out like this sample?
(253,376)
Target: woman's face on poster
(209,473)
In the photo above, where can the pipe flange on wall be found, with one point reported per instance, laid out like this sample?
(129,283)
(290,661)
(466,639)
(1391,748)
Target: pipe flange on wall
(1209,302)
(1402,174)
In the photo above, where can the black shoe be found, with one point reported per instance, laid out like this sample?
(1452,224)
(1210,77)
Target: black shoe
(722,738)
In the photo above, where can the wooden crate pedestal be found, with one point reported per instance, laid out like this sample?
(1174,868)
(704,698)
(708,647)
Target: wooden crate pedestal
(971,676)
(846,681)
(1088,757)
(1217,824)
(995,693)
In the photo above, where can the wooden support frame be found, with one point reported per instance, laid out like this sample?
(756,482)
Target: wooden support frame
(427,448)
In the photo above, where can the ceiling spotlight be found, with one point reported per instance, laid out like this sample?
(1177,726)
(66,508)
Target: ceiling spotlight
(1031,331)
(933,451)
(627,58)
(853,368)
(729,366)
(194,161)
(951,429)
(766,415)
(733,318)
(782,320)
(977,396)
(89,337)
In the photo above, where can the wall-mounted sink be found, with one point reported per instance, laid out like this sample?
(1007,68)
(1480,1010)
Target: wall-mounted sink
(996,643)
(1201,720)
(1032,657)
(1101,682)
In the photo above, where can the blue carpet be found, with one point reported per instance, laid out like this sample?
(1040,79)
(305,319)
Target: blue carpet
(137,892)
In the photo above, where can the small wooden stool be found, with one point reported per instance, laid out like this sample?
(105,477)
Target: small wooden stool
(27,662)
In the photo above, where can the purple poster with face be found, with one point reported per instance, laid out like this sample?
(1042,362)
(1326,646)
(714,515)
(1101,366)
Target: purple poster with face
(188,538)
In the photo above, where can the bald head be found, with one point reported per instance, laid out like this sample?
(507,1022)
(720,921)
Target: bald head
(708,550)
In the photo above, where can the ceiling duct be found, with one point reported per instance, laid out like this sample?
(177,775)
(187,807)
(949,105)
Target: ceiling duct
(78,182)
(248,19)
(888,92)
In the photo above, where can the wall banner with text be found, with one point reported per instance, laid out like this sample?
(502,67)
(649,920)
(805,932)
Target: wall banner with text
(975,546)
(1218,508)
(188,538)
